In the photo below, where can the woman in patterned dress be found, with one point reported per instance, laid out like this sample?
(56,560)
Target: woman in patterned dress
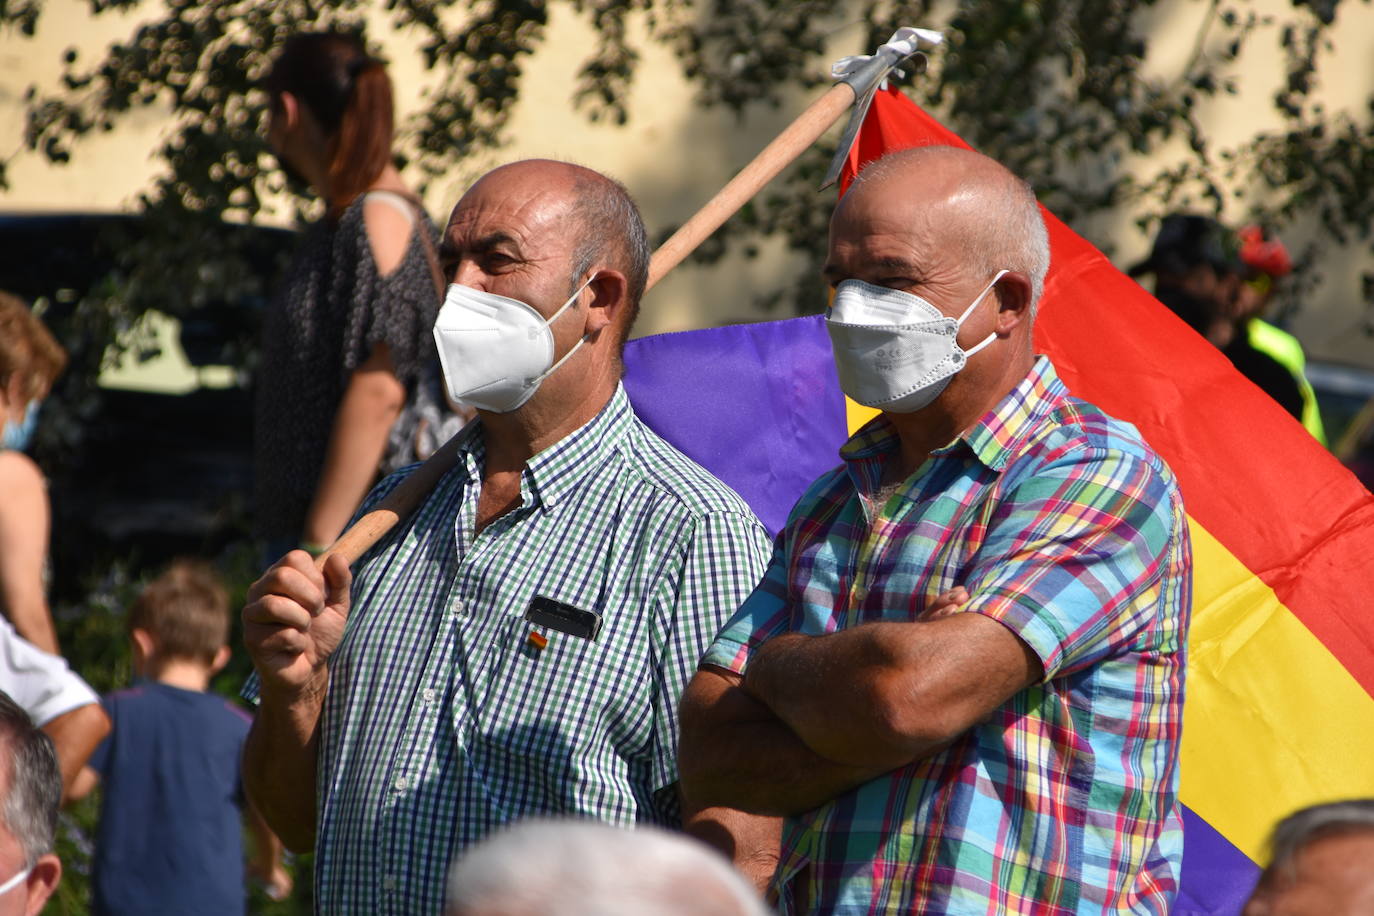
(348,339)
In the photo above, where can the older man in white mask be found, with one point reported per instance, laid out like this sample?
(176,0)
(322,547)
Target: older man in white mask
(1018,755)
(517,647)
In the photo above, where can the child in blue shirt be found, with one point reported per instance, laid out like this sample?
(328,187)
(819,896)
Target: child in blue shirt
(169,839)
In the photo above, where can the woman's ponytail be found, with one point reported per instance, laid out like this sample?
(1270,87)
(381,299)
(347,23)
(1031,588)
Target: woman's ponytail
(349,94)
(361,147)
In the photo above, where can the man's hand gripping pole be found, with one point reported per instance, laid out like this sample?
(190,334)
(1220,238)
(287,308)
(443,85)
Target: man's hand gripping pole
(858,78)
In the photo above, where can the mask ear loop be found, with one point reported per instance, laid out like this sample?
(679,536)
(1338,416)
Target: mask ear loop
(554,317)
(973,305)
(14,882)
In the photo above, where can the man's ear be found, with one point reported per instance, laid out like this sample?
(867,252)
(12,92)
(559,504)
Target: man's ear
(1013,291)
(42,881)
(607,305)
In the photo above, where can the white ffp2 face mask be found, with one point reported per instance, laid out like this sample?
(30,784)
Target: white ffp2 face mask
(894,350)
(494,350)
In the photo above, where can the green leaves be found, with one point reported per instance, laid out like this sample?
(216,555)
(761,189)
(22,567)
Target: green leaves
(1067,93)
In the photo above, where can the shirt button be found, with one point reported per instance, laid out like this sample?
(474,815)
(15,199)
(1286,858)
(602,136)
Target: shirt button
(401,783)
(389,883)
(459,608)
(860,593)
(428,694)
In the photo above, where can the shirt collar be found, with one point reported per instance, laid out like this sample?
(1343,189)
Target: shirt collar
(556,471)
(996,434)
(995,437)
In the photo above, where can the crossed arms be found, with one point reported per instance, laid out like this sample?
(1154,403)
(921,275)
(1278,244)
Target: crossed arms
(816,716)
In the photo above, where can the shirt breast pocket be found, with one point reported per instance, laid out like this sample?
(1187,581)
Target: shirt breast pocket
(549,695)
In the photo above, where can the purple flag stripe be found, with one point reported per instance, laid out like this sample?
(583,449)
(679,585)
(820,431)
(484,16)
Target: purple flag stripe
(758,405)
(1217,877)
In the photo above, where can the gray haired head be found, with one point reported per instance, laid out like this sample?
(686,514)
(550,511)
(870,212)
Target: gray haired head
(1297,831)
(587,868)
(32,781)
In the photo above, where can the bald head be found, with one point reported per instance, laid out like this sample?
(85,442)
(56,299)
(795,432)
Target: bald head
(972,208)
(595,210)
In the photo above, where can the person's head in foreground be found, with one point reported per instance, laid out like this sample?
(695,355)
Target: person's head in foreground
(30,792)
(30,361)
(547,262)
(938,257)
(1322,865)
(587,868)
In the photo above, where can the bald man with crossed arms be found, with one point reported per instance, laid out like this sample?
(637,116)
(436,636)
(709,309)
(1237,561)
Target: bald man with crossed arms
(1020,753)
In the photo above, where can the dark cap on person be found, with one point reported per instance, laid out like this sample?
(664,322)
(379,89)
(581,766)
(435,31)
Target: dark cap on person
(1186,240)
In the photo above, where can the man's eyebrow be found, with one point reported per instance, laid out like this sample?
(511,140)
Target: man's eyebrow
(484,243)
(896,265)
(885,265)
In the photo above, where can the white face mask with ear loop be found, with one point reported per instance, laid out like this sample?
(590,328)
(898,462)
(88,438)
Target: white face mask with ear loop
(495,351)
(14,882)
(894,350)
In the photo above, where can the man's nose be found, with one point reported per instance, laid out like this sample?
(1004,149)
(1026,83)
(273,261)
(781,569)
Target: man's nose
(468,273)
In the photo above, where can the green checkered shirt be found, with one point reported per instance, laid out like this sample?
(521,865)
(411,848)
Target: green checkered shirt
(444,720)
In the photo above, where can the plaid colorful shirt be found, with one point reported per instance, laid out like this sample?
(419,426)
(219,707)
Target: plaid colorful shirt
(444,720)
(1066,528)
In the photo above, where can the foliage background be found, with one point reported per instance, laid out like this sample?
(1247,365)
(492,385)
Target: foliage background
(1061,91)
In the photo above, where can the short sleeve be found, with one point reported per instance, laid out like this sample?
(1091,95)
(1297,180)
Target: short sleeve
(1076,560)
(40,682)
(762,616)
(398,309)
(724,558)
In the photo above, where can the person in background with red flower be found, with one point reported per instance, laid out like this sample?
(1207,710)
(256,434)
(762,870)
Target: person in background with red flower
(1267,261)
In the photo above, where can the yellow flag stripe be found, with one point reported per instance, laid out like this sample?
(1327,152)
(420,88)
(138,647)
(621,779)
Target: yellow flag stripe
(1272,721)
(857,415)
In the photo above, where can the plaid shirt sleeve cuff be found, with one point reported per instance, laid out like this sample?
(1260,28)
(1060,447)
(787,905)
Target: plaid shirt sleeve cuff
(1034,628)
(727,653)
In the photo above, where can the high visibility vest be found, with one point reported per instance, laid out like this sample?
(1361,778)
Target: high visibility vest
(1284,347)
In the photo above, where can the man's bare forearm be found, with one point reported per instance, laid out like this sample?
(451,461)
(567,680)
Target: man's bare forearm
(75,735)
(750,841)
(279,766)
(883,694)
(830,691)
(734,753)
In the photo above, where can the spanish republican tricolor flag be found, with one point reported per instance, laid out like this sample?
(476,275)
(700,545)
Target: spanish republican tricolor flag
(1279,710)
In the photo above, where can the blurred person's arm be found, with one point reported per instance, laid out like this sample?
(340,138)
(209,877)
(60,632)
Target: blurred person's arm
(265,864)
(75,735)
(24,526)
(370,405)
(84,784)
